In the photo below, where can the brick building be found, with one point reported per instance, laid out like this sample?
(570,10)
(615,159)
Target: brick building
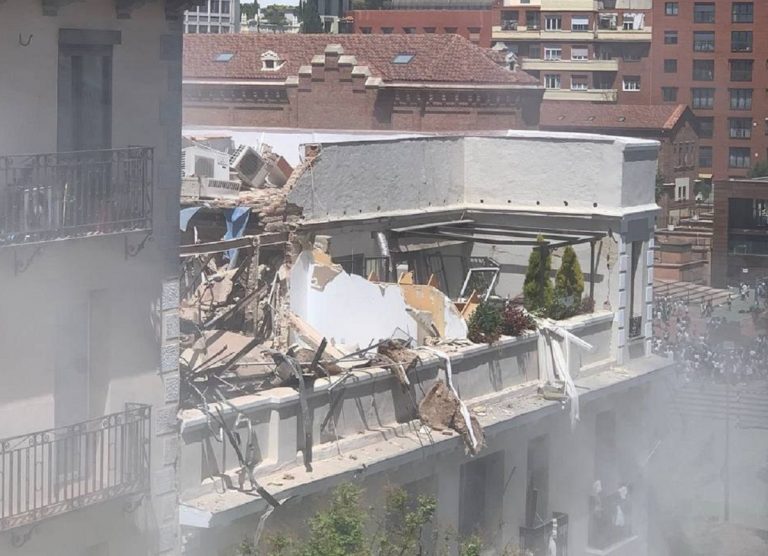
(740,232)
(414,18)
(712,55)
(401,82)
(674,126)
(581,49)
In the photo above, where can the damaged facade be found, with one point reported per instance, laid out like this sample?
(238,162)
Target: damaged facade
(334,346)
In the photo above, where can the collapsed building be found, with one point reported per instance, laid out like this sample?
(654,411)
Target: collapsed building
(325,340)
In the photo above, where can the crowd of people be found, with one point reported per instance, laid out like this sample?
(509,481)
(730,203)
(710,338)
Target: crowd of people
(696,338)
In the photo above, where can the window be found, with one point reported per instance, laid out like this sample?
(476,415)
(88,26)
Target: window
(429,30)
(670,37)
(704,41)
(534,51)
(741,99)
(703,99)
(742,12)
(630,54)
(706,127)
(409,30)
(703,12)
(703,70)
(740,128)
(579,23)
(629,23)
(387,30)
(474,34)
(669,94)
(671,8)
(223,57)
(631,83)
(552,81)
(191,28)
(451,30)
(553,53)
(579,83)
(225,6)
(479,494)
(741,70)
(579,53)
(365,30)
(670,66)
(214,6)
(705,157)
(402,59)
(741,41)
(270,61)
(532,20)
(553,22)
(739,157)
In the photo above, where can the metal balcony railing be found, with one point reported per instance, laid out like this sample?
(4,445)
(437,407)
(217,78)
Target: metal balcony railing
(610,520)
(535,540)
(45,197)
(635,327)
(47,473)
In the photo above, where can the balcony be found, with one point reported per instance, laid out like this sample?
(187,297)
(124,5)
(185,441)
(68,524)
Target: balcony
(590,95)
(624,35)
(536,64)
(509,31)
(46,197)
(535,540)
(51,472)
(610,525)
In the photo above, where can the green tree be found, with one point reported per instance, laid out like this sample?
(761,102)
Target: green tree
(250,10)
(759,170)
(275,15)
(339,531)
(569,282)
(484,326)
(310,18)
(537,289)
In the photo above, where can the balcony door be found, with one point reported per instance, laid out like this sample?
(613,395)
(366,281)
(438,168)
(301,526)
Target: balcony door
(84,97)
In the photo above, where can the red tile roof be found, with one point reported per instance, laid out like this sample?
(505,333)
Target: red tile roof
(585,115)
(436,58)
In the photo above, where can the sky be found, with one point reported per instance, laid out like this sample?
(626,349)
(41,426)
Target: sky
(265,3)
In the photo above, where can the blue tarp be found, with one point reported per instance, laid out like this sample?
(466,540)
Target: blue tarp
(237,220)
(185,216)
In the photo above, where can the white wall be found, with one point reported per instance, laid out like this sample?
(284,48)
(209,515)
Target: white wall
(566,172)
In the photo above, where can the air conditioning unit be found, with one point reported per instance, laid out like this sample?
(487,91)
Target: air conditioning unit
(219,189)
(249,165)
(202,162)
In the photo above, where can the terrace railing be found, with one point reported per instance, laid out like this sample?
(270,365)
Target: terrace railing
(46,197)
(50,472)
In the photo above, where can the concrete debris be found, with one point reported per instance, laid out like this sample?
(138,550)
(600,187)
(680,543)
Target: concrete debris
(441,410)
(438,407)
(404,359)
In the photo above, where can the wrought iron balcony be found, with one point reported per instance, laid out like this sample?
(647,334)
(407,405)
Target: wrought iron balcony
(535,540)
(610,520)
(47,473)
(635,327)
(45,197)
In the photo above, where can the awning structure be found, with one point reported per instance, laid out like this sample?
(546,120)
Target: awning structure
(499,234)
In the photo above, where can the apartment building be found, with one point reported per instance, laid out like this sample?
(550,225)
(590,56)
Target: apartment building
(739,244)
(712,56)
(585,50)
(471,19)
(386,256)
(89,188)
(213,16)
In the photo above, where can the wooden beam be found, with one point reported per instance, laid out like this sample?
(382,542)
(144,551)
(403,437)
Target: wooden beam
(227,244)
